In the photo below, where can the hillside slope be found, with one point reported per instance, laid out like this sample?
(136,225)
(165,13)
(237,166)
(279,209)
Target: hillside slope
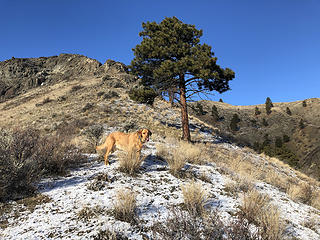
(253,129)
(81,204)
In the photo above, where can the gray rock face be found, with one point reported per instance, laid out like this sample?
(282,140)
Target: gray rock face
(19,74)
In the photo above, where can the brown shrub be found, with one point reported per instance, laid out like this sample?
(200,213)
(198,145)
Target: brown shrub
(25,156)
(173,157)
(183,225)
(87,212)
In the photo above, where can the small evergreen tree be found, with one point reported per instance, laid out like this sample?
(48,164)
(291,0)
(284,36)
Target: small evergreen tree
(264,122)
(304,103)
(257,111)
(266,141)
(301,124)
(256,146)
(269,105)
(214,113)
(288,111)
(220,100)
(286,138)
(143,95)
(199,109)
(278,142)
(234,122)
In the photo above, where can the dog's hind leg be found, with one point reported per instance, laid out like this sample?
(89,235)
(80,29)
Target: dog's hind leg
(110,148)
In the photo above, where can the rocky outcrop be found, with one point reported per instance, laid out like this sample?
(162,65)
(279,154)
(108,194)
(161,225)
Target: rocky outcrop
(19,74)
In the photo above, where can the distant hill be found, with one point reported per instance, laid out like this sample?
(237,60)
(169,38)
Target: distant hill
(301,123)
(20,74)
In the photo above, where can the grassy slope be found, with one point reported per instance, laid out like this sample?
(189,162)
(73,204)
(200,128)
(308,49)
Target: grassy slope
(90,105)
(305,143)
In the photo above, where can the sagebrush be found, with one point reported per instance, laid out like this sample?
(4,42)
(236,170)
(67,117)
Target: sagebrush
(26,156)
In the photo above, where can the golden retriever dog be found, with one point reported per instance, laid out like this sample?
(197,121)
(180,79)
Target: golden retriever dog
(125,141)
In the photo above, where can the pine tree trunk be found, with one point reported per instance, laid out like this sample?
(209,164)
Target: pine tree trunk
(184,110)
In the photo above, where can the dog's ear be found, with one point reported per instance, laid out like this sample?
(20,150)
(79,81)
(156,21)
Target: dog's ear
(140,132)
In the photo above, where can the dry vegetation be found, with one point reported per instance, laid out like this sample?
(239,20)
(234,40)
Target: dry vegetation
(130,162)
(180,153)
(124,206)
(256,208)
(245,169)
(194,197)
(87,213)
(26,156)
(183,225)
(305,193)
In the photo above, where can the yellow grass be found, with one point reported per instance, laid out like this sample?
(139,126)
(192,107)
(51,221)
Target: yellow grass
(305,193)
(194,197)
(193,153)
(129,162)
(124,205)
(257,209)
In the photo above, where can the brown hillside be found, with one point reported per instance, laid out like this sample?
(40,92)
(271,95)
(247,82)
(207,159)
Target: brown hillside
(304,142)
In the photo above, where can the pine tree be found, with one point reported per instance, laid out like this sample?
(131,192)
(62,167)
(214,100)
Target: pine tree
(171,56)
(304,103)
(269,105)
(285,138)
(220,100)
(278,142)
(199,109)
(214,113)
(257,111)
(234,122)
(288,111)
(301,124)
(264,122)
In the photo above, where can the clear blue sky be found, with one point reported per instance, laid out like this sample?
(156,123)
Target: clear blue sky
(272,45)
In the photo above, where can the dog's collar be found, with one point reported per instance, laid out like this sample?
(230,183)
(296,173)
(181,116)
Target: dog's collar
(140,138)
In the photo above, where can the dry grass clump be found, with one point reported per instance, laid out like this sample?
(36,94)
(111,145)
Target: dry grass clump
(87,213)
(315,200)
(193,153)
(175,161)
(130,162)
(256,208)
(178,156)
(253,203)
(163,151)
(109,235)
(305,193)
(124,207)
(240,184)
(276,179)
(194,197)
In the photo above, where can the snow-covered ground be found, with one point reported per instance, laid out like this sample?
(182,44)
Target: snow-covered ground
(156,190)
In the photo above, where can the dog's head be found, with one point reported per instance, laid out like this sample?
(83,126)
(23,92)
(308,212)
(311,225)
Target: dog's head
(144,134)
